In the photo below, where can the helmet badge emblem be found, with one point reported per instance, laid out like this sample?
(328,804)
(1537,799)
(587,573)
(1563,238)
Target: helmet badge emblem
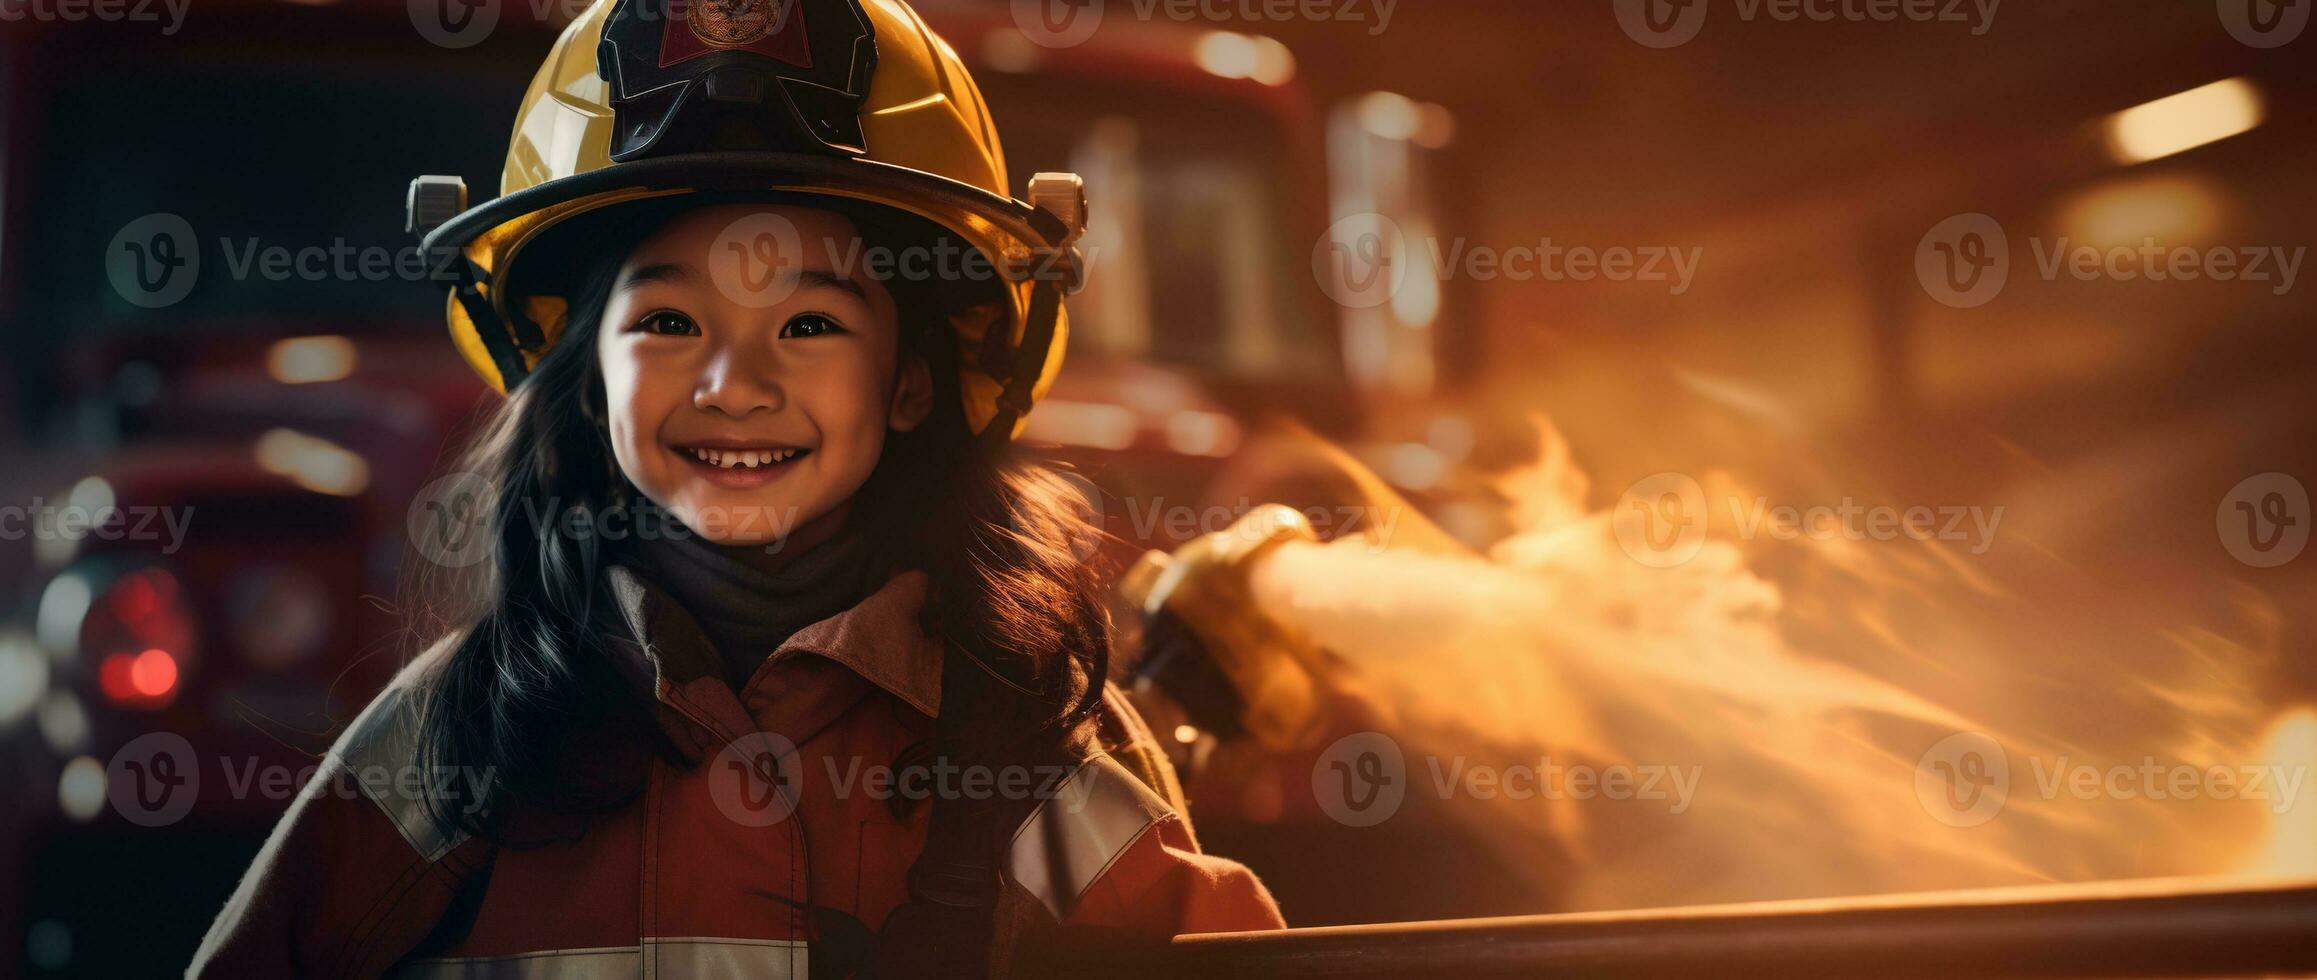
(733,23)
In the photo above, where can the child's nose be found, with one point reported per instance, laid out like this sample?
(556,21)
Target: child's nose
(736,381)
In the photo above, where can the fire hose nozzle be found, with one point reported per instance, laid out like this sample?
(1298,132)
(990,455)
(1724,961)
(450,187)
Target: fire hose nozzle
(1205,586)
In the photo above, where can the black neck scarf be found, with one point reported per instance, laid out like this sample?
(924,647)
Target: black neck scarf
(748,611)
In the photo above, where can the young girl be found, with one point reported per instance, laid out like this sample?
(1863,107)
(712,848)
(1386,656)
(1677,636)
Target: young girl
(780,663)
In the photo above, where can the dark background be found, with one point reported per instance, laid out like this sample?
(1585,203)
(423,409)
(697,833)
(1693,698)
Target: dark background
(1806,160)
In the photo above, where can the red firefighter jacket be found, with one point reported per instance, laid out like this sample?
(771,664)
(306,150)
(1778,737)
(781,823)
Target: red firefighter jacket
(723,865)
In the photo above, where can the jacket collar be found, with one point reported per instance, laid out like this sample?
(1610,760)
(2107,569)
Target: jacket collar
(883,640)
(880,639)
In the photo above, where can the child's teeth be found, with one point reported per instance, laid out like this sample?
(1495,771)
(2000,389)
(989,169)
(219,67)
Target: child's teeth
(729,459)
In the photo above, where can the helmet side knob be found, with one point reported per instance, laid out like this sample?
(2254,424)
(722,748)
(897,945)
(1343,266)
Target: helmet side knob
(434,200)
(1064,197)
(1060,199)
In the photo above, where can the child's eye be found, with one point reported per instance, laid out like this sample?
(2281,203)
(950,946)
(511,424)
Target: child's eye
(810,325)
(668,323)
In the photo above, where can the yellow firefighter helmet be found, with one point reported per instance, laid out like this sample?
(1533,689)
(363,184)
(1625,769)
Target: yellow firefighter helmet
(849,99)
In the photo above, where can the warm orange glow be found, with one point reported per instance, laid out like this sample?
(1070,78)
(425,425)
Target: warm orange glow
(2291,848)
(306,360)
(1202,433)
(1008,51)
(1231,55)
(313,463)
(1414,465)
(1807,708)
(2183,122)
(1437,128)
(1087,424)
(2175,210)
(1391,115)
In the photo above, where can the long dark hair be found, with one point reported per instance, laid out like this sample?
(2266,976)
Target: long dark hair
(522,703)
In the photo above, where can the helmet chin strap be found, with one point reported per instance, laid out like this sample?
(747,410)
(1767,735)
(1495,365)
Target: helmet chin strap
(1029,362)
(490,329)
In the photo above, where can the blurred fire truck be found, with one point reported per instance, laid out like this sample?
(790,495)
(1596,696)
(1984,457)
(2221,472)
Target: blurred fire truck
(218,430)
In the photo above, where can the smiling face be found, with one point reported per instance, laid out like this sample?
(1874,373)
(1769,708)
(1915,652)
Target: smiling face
(749,386)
